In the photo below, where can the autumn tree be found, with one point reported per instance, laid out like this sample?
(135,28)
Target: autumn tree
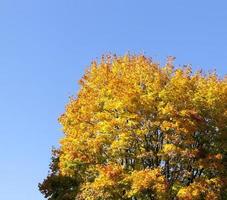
(137,130)
(56,186)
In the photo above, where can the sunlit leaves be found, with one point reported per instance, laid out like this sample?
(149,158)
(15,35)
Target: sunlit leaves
(139,130)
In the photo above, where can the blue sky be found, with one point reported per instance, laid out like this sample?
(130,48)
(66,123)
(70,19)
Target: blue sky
(45,46)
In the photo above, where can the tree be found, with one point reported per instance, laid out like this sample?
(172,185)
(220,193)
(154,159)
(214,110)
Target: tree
(57,186)
(137,130)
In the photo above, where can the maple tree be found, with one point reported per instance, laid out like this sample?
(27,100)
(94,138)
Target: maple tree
(138,130)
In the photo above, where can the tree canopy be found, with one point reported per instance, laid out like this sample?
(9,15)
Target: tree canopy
(137,130)
(56,186)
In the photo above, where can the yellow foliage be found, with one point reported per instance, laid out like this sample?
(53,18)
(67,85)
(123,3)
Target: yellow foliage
(206,188)
(136,129)
(148,179)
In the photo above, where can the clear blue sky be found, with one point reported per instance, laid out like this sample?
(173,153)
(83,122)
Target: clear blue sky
(45,45)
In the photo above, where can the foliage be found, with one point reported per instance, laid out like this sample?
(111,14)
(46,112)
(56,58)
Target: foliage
(57,186)
(137,130)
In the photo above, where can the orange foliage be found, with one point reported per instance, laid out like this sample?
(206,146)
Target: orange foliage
(139,130)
